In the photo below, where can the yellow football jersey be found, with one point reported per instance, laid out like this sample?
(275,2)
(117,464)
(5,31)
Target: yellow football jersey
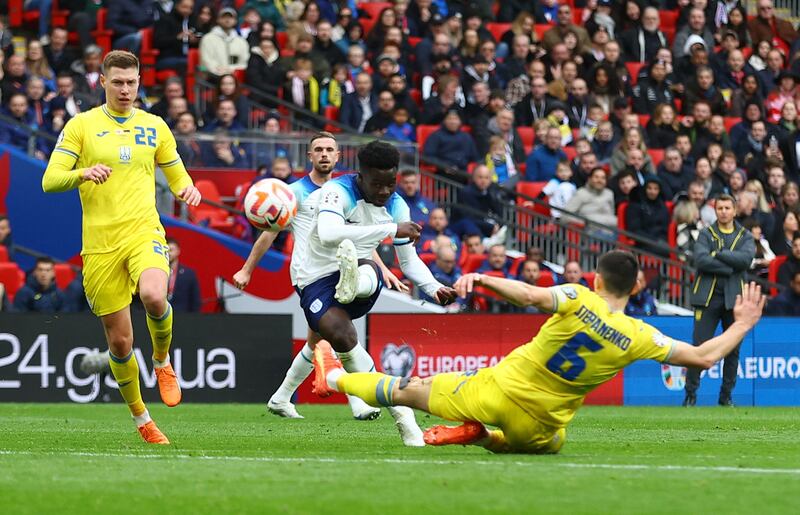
(581,346)
(124,206)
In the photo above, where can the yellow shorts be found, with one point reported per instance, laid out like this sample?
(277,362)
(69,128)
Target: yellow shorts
(111,279)
(474,395)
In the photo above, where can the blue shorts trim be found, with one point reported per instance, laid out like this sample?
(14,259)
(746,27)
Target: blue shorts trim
(318,297)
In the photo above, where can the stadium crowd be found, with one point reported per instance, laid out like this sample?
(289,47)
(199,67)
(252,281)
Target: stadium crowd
(633,114)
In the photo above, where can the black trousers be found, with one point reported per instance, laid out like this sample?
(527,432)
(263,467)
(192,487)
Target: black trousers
(705,324)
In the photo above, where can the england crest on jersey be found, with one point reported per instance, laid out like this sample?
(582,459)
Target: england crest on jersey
(125,154)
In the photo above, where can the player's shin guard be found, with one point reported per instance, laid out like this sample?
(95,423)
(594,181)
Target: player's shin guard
(126,372)
(373,388)
(160,327)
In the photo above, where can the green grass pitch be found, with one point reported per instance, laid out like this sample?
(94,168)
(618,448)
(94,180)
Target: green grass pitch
(59,458)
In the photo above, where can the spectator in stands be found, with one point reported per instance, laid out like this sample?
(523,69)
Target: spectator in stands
(641,302)
(696,27)
(450,145)
(36,64)
(65,90)
(401,130)
(224,152)
(445,100)
(604,143)
(408,188)
(281,169)
(226,118)
(173,88)
(479,207)
(502,125)
(496,261)
(785,92)
(623,184)
(595,201)
(383,116)
(184,289)
(174,34)
(663,127)
(5,236)
(542,161)
(768,27)
(764,255)
(769,75)
(533,106)
(787,302)
(784,235)
(19,132)
(573,274)
(228,88)
(530,272)
(86,76)
(674,176)
(747,207)
(501,162)
(564,26)
(473,244)
(222,50)
(653,89)
(752,150)
(38,107)
(688,225)
(749,92)
(188,147)
(14,79)
(703,90)
(684,145)
(264,72)
(5,306)
(445,270)
(697,194)
(126,18)
(437,226)
(632,151)
(648,216)
(560,189)
(790,197)
(304,48)
(75,296)
(6,37)
(640,44)
(792,265)
(56,51)
(268,11)
(325,46)
(359,106)
(40,293)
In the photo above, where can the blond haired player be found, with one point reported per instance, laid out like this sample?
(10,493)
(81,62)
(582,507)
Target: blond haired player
(110,153)
(534,392)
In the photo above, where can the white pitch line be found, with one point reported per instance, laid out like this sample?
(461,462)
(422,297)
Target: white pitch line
(400,461)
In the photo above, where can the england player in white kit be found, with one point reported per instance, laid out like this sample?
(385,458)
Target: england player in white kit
(336,279)
(323,154)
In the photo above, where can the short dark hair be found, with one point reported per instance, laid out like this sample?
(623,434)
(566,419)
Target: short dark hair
(407,172)
(724,197)
(44,260)
(172,240)
(320,135)
(378,155)
(619,270)
(119,59)
(795,236)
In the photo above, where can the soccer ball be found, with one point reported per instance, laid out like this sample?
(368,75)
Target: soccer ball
(270,205)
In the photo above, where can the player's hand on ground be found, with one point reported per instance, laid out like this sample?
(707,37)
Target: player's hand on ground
(190,195)
(465,284)
(98,173)
(749,304)
(241,279)
(446,295)
(391,280)
(408,230)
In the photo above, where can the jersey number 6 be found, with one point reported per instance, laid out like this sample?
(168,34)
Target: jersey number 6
(569,352)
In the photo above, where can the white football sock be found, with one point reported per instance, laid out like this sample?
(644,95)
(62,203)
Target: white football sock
(301,368)
(357,360)
(367,281)
(334,376)
(400,412)
(161,364)
(142,419)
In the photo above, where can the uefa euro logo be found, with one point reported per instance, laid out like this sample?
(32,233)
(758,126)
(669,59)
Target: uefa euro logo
(398,360)
(673,377)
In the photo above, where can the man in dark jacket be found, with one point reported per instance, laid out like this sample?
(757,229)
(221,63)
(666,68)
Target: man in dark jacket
(183,289)
(58,55)
(791,267)
(408,188)
(787,302)
(174,34)
(450,144)
(722,255)
(40,294)
(126,18)
(674,176)
(359,106)
(648,216)
(479,206)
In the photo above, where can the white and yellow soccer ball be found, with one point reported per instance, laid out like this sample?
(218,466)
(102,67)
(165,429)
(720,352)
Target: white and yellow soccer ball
(270,205)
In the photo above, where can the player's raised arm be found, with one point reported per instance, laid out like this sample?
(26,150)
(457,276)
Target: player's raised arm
(746,314)
(265,240)
(516,292)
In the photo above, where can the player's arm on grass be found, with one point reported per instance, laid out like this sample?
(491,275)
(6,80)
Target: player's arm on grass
(746,313)
(168,159)
(61,174)
(549,300)
(264,241)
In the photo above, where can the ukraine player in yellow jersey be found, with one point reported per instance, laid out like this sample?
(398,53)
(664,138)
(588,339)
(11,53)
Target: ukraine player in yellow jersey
(109,153)
(533,393)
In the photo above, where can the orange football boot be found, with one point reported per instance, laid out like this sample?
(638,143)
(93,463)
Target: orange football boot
(467,433)
(152,434)
(324,361)
(168,386)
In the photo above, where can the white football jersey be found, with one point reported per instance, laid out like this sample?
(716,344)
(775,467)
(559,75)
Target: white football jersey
(343,197)
(307,194)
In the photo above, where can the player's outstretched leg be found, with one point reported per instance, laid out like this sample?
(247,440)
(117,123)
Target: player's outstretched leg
(467,433)
(355,280)
(280,403)
(153,292)
(126,372)
(372,387)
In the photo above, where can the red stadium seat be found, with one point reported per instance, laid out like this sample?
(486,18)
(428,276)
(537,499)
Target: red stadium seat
(571,153)
(413,41)
(540,29)
(528,135)
(498,29)
(546,279)
(12,278)
(428,258)
(643,119)
(215,217)
(373,10)
(64,274)
(668,18)
(513,271)
(622,208)
(332,113)
(18,16)
(772,273)
(730,121)
(423,131)
(669,32)
(282,39)
(192,64)
(472,262)
(532,189)
(657,155)
(589,278)
(633,69)
(416,96)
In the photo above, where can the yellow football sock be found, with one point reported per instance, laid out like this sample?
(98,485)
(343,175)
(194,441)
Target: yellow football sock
(126,372)
(161,333)
(373,387)
(496,442)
